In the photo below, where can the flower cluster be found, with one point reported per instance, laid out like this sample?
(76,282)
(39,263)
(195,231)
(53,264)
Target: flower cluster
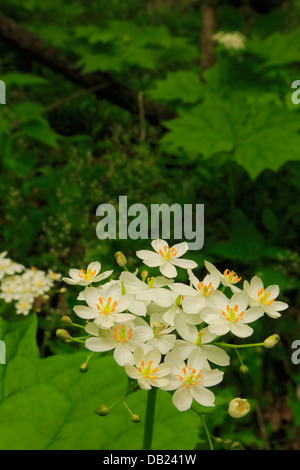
(235,40)
(165,333)
(23,285)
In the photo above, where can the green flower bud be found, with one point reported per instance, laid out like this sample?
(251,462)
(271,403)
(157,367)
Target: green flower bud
(271,341)
(102,410)
(144,274)
(135,418)
(66,321)
(84,367)
(244,369)
(120,258)
(63,334)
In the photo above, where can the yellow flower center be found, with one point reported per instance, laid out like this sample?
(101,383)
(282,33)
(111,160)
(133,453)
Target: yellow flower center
(121,334)
(231,276)
(204,289)
(231,314)
(190,377)
(87,275)
(147,371)
(167,252)
(264,297)
(104,306)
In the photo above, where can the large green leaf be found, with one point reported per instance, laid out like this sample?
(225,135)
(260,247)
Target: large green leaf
(258,134)
(183,86)
(49,404)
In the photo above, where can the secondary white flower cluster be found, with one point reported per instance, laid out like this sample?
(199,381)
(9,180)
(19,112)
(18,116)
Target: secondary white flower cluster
(235,40)
(23,285)
(163,332)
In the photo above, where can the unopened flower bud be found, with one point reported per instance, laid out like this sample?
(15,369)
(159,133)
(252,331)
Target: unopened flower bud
(46,297)
(120,258)
(102,410)
(62,290)
(135,418)
(63,334)
(144,274)
(218,440)
(244,369)
(271,341)
(84,367)
(66,321)
(238,407)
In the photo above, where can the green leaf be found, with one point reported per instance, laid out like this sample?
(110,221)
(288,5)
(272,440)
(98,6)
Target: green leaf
(258,134)
(40,130)
(277,49)
(20,79)
(49,404)
(246,242)
(184,85)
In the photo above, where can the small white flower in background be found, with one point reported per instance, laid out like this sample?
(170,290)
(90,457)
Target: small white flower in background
(190,380)
(106,307)
(264,298)
(238,407)
(194,340)
(148,370)
(226,315)
(228,278)
(23,285)
(24,305)
(53,275)
(195,298)
(233,40)
(84,278)
(123,338)
(166,258)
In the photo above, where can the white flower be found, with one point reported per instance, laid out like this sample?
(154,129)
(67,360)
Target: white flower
(152,290)
(84,278)
(238,407)
(53,275)
(106,307)
(11,288)
(5,264)
(264,298)
(233,40)
(123,338)
(24,305)
(230,314)
(194,340)
(191,380)
(166,258)
(162,338)
(195,298)
(228,279)
(148,370)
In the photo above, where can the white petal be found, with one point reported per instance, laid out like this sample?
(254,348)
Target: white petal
(203,396)
(168,270)
(182,398)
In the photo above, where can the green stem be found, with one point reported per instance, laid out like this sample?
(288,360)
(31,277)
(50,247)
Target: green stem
(206,432)
(149,420)
(239,357)
(235,346)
